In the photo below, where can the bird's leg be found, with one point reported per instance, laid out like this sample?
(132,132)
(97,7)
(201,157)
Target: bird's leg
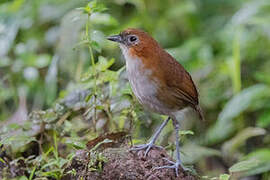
(175,165)
(151,144)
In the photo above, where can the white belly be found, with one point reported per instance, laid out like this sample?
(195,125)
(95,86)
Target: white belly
(144,88)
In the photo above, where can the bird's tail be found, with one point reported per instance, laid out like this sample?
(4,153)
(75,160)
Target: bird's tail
(200,112)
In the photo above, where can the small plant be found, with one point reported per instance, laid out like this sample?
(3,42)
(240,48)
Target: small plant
(97,159)
(89,9)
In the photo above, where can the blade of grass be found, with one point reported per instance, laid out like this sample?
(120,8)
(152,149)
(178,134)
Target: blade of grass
(32,173)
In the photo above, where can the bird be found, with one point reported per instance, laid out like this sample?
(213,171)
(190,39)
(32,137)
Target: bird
(159,82)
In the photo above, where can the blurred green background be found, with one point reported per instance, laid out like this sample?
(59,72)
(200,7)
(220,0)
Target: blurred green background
(62,83)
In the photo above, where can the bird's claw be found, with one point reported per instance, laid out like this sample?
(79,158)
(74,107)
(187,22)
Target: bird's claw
(147,148)
(174,165)
(169,161)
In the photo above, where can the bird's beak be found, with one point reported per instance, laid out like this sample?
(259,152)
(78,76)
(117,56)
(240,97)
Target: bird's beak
(115,38)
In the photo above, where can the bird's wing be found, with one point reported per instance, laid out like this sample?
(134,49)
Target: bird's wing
(180,83)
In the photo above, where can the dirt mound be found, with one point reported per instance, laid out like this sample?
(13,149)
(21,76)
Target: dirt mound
(120,164)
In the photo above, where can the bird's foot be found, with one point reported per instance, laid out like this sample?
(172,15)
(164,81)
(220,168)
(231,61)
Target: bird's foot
(174,165)
(147,147)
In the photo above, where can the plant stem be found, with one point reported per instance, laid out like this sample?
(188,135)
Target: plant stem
(94,70)
(236,73)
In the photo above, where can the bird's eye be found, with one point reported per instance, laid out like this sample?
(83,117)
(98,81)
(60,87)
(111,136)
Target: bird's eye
(132,38)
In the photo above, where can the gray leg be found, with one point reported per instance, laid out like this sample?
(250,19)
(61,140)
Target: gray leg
(175,165)
(176,128)
(149,145)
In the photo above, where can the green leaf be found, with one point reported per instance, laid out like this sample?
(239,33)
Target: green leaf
(103,64)
(95,46)
(72,172)
(2,160)
(89,97)
(103,19)
(93,7)
(86,76)
(50,163)
(13,126)
(254,163)
(100,107)
(42,61)
(100,143)
(264,120)
(263,77)
(23,178)
(62,162)
(225,125)
(76,143)
(108,76)
(16,141)
(193,153)
(224,177)
(244,166)
(188,132)
(231,146)
(81,43)
(96,7)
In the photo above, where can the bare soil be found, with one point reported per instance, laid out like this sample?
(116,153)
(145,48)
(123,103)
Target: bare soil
(122,164)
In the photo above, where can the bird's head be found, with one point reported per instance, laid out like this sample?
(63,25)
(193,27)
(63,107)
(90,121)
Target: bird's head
(136,42)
